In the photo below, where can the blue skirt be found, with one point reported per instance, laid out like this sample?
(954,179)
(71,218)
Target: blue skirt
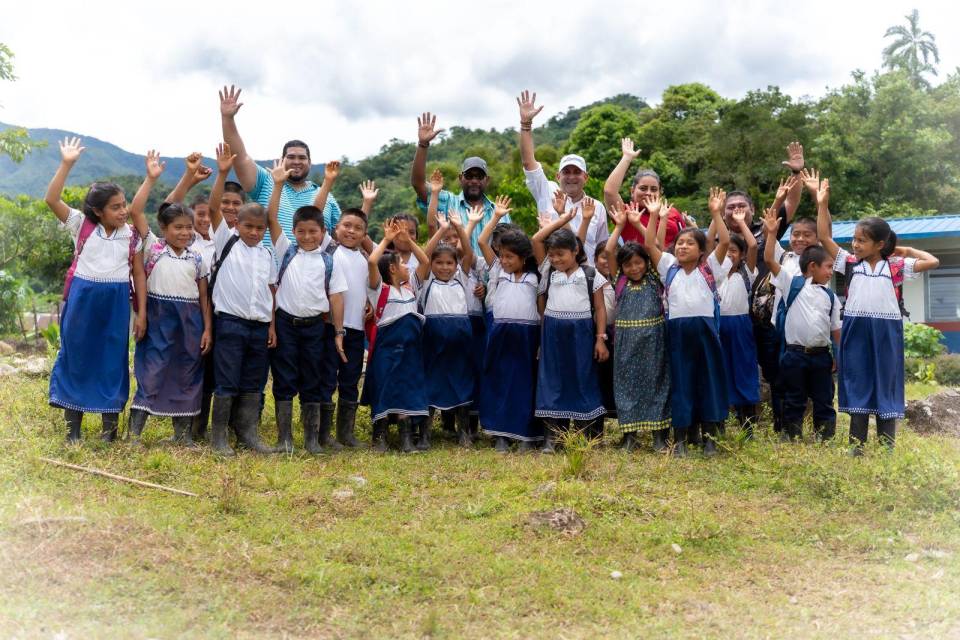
(91,373)
(568,380)
(740,360)
(447,361)
(167,362)
(870,367)
(477,351)
(509,380)
(698,381)
(394,381)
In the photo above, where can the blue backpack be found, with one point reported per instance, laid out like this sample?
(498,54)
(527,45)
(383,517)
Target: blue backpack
(327,266)
(796,284)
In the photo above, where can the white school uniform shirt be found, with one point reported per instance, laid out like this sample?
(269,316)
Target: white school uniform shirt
(568,296)
(809,320)
(870,293)
(542,191)
(690,295)
(514,300)
(207,249)
(610,303)
(446,298)
(173,276)
(789,262)
(400,302)
(105,257)
(353,265)
(734,296)
(478,274)
(244,278)
(302,291)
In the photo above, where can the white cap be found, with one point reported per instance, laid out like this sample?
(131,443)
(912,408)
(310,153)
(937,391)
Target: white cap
(573,160)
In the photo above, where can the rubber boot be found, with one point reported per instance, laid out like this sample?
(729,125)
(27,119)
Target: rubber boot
(108,431)
(694,437)
(379,436)
(524,446)
(710,435)
(424,427)
(74,419)
(283,410)
(747,417)
(310,417)
(219,419)
(183,431)
(792,432)
(346,421)
(326,424)
(660,440)
(858,433)
(887,431)
(680,442)
(448,420)
(550,431)
(592,429)
(406,436)
(825,430)
(463,427)
(200,421)
(502,445)
(248,411)
(629,441)
(135,424)
(474,426)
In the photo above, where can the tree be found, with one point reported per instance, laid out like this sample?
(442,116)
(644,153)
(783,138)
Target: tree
(912,50)
(14,142)
(597,137)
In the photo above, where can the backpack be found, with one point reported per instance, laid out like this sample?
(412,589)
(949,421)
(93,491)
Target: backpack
(796,284)
(422,302)
(711,282)
(215,269)
(896,265)
(87,227)
(761,304)
(327,266)
(370,327)
(591,275)
(158,253)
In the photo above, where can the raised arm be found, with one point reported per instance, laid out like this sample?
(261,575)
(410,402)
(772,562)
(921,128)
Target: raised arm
(390,229)
(740,217)
(650,232)
(589,208)
(824,221)
(70,151)
(924,261)
(436,186)
(193,174)
(423,268)
(426,131)
(717,197)
(611,188)
(225,158)
(245,167)
(770,226)
(423,258)
(795,163)
(154,170)
(528,111)
(474,217)
(331,171)
(484,240)
(539,248)
(279,175)
(619,217)
(369,193)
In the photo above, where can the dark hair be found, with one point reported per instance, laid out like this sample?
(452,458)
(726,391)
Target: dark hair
(295,143)
(97,198)
(406,217)
(235,187)
(443,249)
(358,213)
(599,250)
(629,250)
(806,221)
(564,239)
(643,173)
(251,210)
(499,231)
(199,199)
(172,211)
(517,243)
(737,240)
(698,236)
(814,254)
(878,230)
(738,193)
(308,212)
(387,260)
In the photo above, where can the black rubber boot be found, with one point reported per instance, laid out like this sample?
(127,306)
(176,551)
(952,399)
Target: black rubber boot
(463,427)
(710,434)
(747,417)
(629,441)
(219,419)
(680,442)
(135,424)
(694,437)
(326,438)
(859,423)
(502,445)
(550,431)
(406,436)
(200,421)
(378,437)
(183,431)
(825,431)
(108,431)
(283,409)
(792,432)
(346,421)
(524,446)
(660,440)
(310,417)
(248,409)
(74,419)
(887,431)
(424,426)
(593,429)
(475,426)
(448,420)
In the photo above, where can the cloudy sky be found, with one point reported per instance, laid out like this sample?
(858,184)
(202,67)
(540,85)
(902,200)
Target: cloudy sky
(348,77)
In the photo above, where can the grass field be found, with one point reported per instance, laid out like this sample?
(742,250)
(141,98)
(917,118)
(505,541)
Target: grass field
(766,541)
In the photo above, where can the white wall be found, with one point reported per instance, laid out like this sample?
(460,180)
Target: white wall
(914,298)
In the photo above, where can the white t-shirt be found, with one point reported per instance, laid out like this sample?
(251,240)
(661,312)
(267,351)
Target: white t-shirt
(353,265)
(734,293)
(512,299)
(690,295)
(789,262)
(172,275)
(400,302)
(207,249)
(809,319)
(105,257)
(870,292)
(302,291)
(568,296)
(244,278)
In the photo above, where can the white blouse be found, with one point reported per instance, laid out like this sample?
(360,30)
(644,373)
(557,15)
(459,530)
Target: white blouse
(446,298)
(870,292)
(400,302)
(105,257)
(568,297)
(171,275)
(734,294)
(690,295)
(514,300)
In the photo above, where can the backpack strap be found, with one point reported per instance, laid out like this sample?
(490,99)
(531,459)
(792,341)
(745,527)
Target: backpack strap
(591,275)
(620,287)
(672,272)
(422,302)
(327,272)
(86,228)
(897,264)
(371,325)
(131,254)
(220,260)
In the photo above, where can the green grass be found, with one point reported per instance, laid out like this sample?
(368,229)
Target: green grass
(778,541)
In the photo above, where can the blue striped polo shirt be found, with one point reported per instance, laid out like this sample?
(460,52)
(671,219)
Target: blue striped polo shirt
(290,200)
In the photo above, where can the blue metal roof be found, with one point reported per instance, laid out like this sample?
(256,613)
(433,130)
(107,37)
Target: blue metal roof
(942,226)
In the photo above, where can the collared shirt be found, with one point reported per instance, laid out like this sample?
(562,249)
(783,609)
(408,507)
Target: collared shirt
(244,278)
(302,291)
(513,298)
(789,262)
(105,257)
(207,249)
(734,293)
(353,265)
(543,190)
(292,199)
(809,320)
(400,302)
(172,275)
(690,295)
(447,202)
(568,297)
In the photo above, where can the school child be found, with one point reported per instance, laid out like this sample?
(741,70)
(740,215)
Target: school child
(243,283)
(641,369)
(698,387)
(308,317)
(807,320)
(168,360)
(870,363)
(91,370)
(405,246)
(395,381)
(602,264)
(736,326)
(574,332)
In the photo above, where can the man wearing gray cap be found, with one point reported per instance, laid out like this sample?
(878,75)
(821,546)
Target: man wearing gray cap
(474,178)
(571,176)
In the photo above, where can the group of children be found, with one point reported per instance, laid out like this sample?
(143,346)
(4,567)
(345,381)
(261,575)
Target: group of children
(520,338)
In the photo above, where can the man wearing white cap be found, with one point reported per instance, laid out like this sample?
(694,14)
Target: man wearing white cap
(571,176)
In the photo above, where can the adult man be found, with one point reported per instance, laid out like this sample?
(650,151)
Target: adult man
(474,178)
(298,191)
(571,176)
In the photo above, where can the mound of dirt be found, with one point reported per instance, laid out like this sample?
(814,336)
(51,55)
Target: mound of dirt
(565,520)
(937,414)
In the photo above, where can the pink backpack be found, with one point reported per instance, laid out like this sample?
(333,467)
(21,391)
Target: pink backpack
(86,228)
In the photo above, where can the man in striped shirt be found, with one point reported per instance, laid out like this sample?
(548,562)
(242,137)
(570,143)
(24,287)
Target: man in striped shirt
(298,190)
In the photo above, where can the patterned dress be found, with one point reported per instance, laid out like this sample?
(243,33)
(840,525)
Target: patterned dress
(641,363)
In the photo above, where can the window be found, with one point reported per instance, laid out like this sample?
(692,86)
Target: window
(943,294)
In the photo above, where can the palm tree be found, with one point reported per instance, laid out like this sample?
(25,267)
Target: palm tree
(912,50)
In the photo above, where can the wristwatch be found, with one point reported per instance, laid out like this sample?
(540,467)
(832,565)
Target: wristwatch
(602,336)
(340,332)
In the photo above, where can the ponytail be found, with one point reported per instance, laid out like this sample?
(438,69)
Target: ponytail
(878,230)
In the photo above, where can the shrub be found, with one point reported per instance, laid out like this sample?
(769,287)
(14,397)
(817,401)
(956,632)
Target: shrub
(921,341)
(947,369)
(12,294)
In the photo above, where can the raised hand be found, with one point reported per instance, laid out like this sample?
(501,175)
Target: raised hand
(717,199)
(665,207)
(795,157)
(501,207)
(739,217)
(618,215)
(528,107)
(811,180)
(154,166)
(771,222)
(230,101)
(368,190)
(278,173)
(589,208)
(823,193)
(225,158)
(653,204)
(193,162)
(626,147)
(436,181)
(426,128)
(560,202)
(391,229)
(544,219)
(634,214)
(331,171)
(70,150)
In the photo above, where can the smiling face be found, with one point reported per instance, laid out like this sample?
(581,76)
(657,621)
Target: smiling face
(634,268)
(733,205)
(297,160)
(251,229)
(309,234)
(511,262)
(451,237)
(687,249)
(863,246)
(230,204)
(444,266)
(178,233)
(350,231)
(571,179)
(733,252)
(562,259)
(201,218)
(821,272)
(646,186)
(803,234)
(474,184)
(114,213)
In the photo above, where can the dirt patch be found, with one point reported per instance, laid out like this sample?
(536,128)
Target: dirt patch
(937,414)
(565,520)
